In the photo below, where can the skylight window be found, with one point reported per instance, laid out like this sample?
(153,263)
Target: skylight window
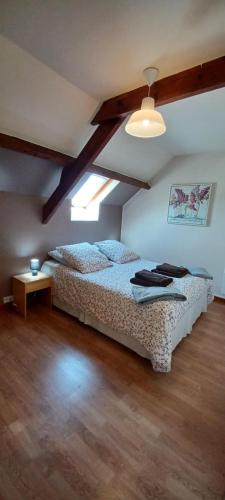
(86,202)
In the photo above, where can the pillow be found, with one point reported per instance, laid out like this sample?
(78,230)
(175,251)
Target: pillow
(55,254)
(84,257)
(116,251)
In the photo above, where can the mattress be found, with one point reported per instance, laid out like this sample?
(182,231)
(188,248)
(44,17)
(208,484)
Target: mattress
(104,300)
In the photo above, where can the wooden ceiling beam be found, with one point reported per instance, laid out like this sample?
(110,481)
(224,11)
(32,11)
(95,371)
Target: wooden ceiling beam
(203,78)
(95,169)
(29,148)
(80,165)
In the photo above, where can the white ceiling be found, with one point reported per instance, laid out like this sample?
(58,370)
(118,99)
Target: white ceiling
(39,105)
(102,46)
(68,56)
(194,125)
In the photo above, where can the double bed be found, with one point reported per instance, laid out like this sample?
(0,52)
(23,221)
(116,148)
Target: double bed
(104,300)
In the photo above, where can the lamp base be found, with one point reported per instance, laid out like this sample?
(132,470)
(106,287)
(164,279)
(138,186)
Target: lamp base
(34,273)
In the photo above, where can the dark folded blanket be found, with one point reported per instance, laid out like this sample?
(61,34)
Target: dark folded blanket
(148,278)
(170,270)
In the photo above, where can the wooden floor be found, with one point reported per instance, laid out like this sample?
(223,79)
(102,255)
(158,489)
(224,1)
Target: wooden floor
(84,418)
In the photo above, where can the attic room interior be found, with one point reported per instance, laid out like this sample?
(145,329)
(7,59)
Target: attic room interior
(112,245)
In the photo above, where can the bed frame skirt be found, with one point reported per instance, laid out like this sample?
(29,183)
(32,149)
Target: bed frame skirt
(182,329)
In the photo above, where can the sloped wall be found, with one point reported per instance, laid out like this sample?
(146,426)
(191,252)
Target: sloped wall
(144,219)
(22,235)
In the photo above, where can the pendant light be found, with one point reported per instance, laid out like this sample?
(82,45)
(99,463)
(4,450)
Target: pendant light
(147,122)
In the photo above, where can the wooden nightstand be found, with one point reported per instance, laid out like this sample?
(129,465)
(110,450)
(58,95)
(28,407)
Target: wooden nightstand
(23,284)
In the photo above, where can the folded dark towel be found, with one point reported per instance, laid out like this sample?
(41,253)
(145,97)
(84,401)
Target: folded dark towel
(169,270)
(179,272)
(172,269)
(169,274)
(141,282)
(153,278)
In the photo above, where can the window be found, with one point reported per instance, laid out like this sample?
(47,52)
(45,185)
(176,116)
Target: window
(86,202)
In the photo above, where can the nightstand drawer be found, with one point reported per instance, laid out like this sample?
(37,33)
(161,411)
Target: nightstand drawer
(34,286)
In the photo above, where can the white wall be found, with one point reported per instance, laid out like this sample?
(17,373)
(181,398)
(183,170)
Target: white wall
(144,222)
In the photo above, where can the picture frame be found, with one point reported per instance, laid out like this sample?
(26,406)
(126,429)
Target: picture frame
(189,204)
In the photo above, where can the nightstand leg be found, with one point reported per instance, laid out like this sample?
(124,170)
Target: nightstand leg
(23,306)
(20,298)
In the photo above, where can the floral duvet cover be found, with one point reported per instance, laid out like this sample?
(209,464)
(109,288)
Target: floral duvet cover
(107,296)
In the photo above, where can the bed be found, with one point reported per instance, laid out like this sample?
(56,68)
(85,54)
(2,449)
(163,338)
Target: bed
(104,300)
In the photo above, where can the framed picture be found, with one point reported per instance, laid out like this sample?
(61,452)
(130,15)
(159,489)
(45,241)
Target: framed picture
(189,204)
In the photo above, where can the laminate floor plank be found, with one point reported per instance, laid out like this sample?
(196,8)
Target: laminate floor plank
(82,417)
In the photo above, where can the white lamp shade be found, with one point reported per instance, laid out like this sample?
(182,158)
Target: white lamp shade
(147,122)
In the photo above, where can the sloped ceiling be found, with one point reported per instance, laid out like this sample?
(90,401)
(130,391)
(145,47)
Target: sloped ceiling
(24,174)
(194,125)
(102,46)
(59,60)
(39,105)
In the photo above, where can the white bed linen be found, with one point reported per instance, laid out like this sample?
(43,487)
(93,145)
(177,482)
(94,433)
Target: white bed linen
(104,300)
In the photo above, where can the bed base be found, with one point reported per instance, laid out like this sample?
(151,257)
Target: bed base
(182,329)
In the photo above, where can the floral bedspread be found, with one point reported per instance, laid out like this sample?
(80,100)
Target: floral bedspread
(106,295)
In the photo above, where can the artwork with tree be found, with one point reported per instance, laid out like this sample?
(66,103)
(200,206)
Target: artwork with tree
(189,204)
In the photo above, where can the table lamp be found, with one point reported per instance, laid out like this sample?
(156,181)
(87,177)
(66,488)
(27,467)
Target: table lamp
(35,266)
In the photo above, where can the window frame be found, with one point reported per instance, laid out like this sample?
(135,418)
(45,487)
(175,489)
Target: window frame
(89,212)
